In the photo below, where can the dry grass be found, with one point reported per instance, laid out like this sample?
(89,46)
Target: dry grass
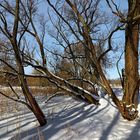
(7,109)
(43,90)
(38,90)
(7,105)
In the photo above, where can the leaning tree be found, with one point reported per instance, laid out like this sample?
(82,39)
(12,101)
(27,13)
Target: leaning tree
(13,25)
(129,22)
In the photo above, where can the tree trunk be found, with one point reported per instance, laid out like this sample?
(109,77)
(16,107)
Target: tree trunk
(131,87)
(34,105)
(108,88)
(131,83)
(28,95)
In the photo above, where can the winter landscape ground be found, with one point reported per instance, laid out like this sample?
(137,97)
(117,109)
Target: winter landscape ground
(68,119)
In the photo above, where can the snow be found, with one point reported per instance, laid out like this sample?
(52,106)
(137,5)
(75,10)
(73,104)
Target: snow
(70,119)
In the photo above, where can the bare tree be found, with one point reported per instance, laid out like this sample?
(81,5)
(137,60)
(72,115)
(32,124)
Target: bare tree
(77,21)
(130,23)
(130,72)
(69,35)
(17,24)
(14,33)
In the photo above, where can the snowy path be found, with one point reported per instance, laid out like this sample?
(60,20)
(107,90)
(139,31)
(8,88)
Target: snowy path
(69,119)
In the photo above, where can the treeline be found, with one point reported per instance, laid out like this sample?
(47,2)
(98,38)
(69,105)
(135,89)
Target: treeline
(43,82)
(4,81)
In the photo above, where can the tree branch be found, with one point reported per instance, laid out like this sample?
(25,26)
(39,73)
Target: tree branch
(17,100)
(109,43)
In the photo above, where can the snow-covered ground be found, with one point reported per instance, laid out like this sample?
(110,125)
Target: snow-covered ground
(70,119)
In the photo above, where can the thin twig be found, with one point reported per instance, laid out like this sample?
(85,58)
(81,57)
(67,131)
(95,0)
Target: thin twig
(52,96)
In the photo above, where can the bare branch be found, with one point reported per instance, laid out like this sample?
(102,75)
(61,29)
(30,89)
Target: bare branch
(14,91)
(63,19)
(53,95)
(109,42)
(117,12)
(117,65)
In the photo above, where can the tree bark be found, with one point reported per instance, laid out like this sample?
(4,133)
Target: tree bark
(131,83)
(34,105)
(107,87)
